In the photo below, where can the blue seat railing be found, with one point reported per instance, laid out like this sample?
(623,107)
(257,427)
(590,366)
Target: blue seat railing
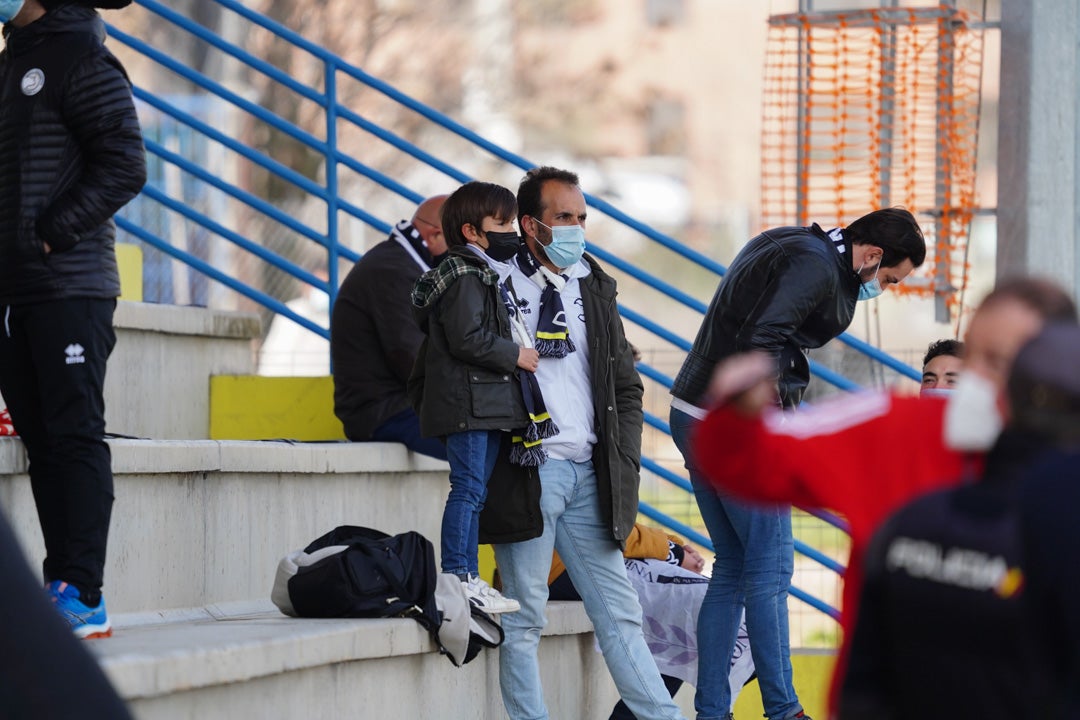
(327,192)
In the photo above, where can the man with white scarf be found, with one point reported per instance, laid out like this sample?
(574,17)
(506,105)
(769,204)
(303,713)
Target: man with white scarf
(588,503)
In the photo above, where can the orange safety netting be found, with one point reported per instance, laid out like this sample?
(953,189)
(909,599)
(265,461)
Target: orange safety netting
(875,108)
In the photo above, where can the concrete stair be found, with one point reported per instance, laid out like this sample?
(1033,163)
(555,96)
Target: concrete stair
(197,522)
(199,526)
(246,660)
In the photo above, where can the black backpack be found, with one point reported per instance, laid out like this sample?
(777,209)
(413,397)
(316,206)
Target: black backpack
(363,573)
(360,572)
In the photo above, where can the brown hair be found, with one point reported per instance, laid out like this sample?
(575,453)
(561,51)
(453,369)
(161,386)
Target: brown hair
(532,185)
(1045,297)
(470,204)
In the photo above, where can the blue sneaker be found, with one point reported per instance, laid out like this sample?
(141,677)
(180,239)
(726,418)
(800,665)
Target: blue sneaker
(86,622)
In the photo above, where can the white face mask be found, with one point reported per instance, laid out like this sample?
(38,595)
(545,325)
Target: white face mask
(972,419)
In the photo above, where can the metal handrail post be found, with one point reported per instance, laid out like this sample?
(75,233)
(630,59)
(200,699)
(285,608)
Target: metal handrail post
(330,70)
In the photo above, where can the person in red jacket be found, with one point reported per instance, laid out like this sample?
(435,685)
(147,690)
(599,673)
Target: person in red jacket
(947,571)
(867,454)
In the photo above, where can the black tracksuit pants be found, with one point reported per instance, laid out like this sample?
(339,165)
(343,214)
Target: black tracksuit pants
(52,376)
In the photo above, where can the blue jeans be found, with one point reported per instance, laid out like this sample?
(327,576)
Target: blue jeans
(754,563)
(575,526)
(405,429)
(472,456)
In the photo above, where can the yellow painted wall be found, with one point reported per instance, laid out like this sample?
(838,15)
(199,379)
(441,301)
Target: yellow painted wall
(486,556)
(253,407)
(811,670)
(129,257)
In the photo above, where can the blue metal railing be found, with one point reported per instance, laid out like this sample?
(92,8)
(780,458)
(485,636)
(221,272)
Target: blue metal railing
(694,536)
(328,193)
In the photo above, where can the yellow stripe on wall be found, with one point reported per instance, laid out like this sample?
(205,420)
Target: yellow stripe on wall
(254,407)
(811,671)
(129,259)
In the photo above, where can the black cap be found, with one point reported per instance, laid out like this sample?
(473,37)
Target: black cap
(1044,385)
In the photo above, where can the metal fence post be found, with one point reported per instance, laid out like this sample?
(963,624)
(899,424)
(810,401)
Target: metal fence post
(331,181)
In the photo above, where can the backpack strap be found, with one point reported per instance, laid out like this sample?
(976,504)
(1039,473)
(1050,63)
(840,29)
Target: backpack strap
(380,559)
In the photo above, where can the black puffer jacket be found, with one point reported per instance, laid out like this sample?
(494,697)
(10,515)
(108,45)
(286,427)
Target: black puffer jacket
(465,376)
(787,290)
(71,155)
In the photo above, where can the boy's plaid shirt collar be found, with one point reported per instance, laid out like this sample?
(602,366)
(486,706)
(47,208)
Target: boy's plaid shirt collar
(436,281)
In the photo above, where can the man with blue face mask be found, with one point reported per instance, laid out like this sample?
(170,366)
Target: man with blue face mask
(789,289)
(583,500)
(818,457)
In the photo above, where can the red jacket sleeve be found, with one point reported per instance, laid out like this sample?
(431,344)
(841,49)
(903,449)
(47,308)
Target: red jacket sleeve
(862,455)
(805,458)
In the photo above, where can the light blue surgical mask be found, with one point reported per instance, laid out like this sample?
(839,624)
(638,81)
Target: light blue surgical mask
(10,8)
(567,244)
(870,290)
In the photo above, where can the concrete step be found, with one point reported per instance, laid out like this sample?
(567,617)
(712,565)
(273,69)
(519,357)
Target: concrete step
(246,660)
(158,380)
(196,523)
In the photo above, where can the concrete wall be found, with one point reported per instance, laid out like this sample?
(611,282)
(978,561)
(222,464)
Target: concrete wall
(1039,141)
(157,384)
(158,381)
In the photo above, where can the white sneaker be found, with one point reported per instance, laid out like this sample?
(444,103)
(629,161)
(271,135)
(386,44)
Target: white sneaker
(488,598)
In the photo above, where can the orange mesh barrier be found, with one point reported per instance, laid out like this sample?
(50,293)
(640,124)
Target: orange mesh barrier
(875,108)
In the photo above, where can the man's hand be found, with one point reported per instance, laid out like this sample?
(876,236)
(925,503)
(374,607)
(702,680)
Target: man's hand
(747,382)
(528,359)
(48,250)
(692,560)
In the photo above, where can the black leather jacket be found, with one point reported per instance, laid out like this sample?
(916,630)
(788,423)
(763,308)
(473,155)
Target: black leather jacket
(71,155)
(789,289)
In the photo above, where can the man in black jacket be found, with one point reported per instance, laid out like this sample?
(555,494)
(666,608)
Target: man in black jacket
(964,586)
(71,155)
(374,337)
(790,288)
(589,497)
